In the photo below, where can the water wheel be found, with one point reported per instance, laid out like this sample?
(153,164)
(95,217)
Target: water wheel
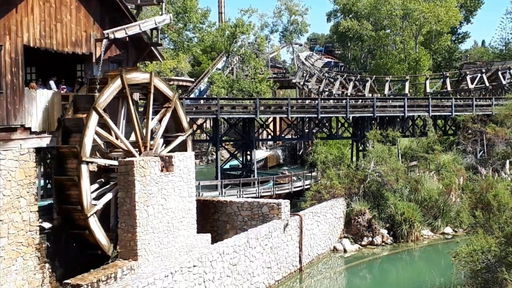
(136,114)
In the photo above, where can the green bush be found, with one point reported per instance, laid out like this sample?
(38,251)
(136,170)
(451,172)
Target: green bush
(485,261)
(405,219)
(427,193)
(490,203)
(358,207)
(329,155)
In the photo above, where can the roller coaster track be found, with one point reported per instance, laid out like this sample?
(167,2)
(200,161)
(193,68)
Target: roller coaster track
(323,77)
(330,91)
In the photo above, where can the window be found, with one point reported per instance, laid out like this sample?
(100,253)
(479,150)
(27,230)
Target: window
(30,74)
(80,71)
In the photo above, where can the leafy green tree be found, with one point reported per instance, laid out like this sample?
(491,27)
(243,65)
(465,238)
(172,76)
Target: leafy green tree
(395,37)
(468,9)
(320,38)
(246,48)
(289,22)
(479,52)
(192,43)
(180,37)
(446,55)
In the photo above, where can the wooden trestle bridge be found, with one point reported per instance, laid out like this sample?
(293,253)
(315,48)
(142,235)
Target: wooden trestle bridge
(137,114)
(336,104)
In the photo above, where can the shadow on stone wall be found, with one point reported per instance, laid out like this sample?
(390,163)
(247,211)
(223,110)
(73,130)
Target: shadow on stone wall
(224,218)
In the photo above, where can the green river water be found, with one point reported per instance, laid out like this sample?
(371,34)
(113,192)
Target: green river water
(398,267)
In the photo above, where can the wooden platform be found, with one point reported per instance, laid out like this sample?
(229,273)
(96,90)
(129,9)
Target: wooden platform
(340,107)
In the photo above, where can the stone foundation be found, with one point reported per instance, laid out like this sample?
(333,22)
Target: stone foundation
(22,260)
(260,257)
(224,218)
(158,231)
(157,210)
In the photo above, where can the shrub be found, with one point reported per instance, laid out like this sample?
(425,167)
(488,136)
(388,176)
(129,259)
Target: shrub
(485,261)
(405,219)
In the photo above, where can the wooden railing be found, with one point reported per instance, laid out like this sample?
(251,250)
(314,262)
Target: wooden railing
(257,187)
(340,107)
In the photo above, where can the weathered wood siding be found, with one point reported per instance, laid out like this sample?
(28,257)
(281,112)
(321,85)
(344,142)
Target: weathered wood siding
(68,26)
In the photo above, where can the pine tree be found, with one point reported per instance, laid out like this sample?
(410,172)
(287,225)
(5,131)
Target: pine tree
(502,38)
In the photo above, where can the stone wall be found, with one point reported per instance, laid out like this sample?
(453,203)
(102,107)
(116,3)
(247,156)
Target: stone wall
(157,217)
(157,210)
(22,260)
(257,258)
(323,226)
(224,218)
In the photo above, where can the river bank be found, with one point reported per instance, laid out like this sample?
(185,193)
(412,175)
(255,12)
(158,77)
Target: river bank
(426,264)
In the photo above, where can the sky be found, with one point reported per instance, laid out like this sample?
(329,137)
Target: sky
(486,22)
(317,10)
(483,27)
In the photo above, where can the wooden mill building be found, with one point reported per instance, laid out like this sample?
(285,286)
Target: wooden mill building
(41,39)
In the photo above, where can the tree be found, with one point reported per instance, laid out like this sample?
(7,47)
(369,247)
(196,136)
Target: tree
(502,39)
(480,52)
(319,39)
(289,22)
(468,9)
(245,45)
(180,37)
(447,55)
(395,37)
(192,43)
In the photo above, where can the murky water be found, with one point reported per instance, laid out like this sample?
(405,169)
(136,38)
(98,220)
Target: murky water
(425,266)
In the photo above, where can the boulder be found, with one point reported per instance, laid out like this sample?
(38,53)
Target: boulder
(377,240)
(339,247)
(366,241)
(427,233)
(448,231)
(349,247)
(361,224)
(386,239)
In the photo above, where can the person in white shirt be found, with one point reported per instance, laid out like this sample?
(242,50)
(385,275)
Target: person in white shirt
(52,84)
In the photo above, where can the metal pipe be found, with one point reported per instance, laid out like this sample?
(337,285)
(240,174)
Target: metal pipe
(301,240)
(222,14)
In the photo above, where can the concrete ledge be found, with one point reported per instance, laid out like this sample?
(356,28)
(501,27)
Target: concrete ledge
(102,276)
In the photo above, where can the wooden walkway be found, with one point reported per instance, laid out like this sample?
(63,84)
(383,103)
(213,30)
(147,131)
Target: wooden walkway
(340,107)
(257,187)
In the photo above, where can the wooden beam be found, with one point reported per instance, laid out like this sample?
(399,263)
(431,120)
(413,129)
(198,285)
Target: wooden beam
(103,190)
(161,129)
(108,137)
(149,110)
(116,131)
(133,114)
(176,142)
(104,200)
(103,162)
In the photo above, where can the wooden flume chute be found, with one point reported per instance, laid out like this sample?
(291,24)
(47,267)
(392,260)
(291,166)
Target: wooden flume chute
(321,76)
(136,114)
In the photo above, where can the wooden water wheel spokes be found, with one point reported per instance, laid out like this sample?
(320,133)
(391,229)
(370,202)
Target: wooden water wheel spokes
(135,115)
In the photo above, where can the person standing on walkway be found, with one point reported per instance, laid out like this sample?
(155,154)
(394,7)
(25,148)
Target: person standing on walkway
(52,85)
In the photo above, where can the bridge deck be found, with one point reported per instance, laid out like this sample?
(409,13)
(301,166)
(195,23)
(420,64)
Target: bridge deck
(340,107)
(257,187)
